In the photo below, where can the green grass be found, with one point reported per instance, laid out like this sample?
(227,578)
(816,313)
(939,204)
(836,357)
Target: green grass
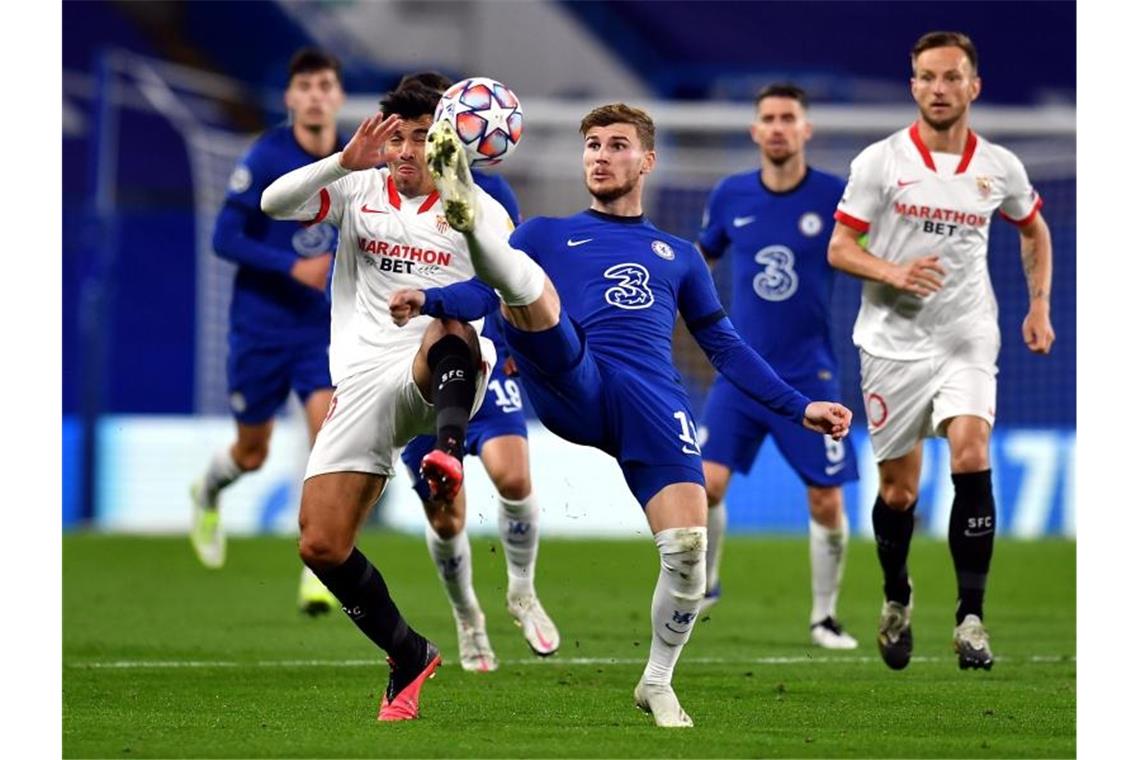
(256,679)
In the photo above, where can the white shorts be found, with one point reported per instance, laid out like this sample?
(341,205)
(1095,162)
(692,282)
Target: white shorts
(907,401)
(374,413)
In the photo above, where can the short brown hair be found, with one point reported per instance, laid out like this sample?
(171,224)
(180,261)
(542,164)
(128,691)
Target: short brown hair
(945,39)
(310,60)
(783,90)
(620,113)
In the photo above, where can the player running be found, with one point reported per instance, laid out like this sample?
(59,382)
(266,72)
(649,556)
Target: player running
(774,224)
(927,329)
(592,336)
(392,383)
(498,436)
(279,315)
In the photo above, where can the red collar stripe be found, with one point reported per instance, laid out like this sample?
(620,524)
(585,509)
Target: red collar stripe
(916,138)
(326,204)
(393,196)
(428,202)
(854,223)
(968,153)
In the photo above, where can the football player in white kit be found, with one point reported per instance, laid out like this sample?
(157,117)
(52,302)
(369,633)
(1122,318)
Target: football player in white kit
(392,383)
(927,328)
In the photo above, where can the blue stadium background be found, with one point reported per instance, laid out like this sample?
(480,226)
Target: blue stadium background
(144,300)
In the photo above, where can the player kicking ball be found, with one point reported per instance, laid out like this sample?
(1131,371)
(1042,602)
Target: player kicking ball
(598,366)
(391,383)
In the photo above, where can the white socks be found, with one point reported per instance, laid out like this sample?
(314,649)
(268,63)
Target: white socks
(518,530)
(676,599)
(718,520)
(828,549)
(452,557)
(222,471)
(518,279)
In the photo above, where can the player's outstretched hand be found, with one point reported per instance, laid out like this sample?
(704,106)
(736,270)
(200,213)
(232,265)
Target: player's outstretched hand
(921,276)
(366,148)
(1037,329)
(405,304)
(829,418)
(312,271)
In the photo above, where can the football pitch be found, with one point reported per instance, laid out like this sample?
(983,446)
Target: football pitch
(162,658)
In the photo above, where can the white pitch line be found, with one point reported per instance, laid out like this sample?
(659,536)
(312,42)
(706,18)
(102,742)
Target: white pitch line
(550,662)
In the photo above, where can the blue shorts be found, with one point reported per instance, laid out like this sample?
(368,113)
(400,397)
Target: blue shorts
(501,414)
(261,375)
(735,426)
(594,401)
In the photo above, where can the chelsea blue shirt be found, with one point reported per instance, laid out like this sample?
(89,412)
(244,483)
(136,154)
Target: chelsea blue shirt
(776,243)
(268,304)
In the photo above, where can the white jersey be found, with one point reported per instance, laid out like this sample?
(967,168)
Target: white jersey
(914,203)
(387,243)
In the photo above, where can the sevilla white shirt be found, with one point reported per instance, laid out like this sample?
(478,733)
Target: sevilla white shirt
(914,203)
(387,242)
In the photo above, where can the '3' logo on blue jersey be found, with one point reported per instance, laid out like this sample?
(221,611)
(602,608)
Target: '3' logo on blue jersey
(778,281)
(632,290)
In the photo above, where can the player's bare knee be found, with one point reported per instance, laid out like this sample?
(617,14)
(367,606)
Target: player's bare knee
(321,549)
(445,523)
(715,488)
(898,496)
(250,457)
(825,504)
(514,486)
(973,457)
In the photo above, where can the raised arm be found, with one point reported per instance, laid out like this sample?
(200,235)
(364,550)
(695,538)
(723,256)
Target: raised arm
(1037,260)
(303,194)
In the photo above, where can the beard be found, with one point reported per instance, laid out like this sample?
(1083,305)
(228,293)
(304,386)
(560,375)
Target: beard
(779,160)
(941,125)
(612,194)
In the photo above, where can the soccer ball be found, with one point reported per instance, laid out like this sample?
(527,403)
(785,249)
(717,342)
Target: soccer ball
(486,116)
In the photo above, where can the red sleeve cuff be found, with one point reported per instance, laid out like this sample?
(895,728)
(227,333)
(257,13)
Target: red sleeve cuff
(1028,217)
(326,204)
(853,222)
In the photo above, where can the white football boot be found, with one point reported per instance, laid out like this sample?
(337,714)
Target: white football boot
(829,634)
(447,161)
(206,534)
(537,628)
(659,701)
(475,653)
(972,644)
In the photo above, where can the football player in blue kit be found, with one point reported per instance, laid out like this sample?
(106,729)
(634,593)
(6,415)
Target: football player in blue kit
(774,225)
(590,302)
(279,315)
(497,434)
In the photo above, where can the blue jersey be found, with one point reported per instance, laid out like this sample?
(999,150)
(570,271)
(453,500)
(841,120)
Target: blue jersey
(777,246)
(268,305)
(624,281)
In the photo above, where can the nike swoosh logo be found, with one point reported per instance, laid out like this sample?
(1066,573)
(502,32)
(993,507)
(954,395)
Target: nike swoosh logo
(572,243)
(367,210)
(904,183)
(740,221)
(687,450)
(978,534)
(831,469)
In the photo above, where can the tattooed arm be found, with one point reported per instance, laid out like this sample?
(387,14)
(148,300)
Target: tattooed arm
(1037,260)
